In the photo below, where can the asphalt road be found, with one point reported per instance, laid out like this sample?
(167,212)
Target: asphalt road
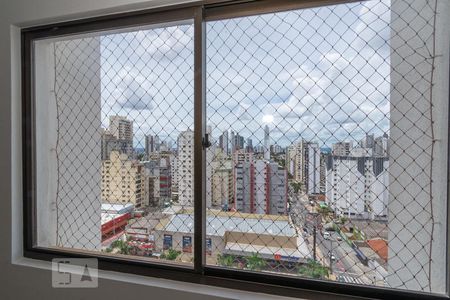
(346,263)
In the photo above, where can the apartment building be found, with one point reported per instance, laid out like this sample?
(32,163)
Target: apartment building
(122,181)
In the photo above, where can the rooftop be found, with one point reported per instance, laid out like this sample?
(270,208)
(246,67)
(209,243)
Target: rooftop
(380,247)
(106,217)
(118,208)
(218,224)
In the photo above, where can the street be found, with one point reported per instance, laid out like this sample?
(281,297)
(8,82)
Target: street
(346,265)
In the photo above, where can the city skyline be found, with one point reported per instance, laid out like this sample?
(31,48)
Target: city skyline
(308,95)
(172,145)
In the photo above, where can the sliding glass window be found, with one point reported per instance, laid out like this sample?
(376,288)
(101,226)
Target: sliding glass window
(318,134)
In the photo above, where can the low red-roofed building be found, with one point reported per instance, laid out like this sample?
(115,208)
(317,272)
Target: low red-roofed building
(380,247)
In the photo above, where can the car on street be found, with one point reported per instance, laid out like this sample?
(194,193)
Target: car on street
(331,256)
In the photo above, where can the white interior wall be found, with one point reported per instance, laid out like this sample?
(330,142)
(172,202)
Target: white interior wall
(23,278)
(410,224)
(68,165)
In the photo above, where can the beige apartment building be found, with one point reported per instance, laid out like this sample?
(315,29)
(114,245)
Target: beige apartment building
(222,183)
(121,128)
(121,181)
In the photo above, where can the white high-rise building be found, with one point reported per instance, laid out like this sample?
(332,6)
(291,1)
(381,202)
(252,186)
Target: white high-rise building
(233,142)
(342,148)
(157,144)
(311,152)
(259,194)
(150,146)
(121,128)
(223,142)
(186,168)
(290,159)
(277,189)
(367,141)
(357,185)
(381,147)
(266,143)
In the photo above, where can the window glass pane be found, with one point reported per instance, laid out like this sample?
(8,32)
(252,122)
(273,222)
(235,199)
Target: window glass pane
(114,142)
(324,161)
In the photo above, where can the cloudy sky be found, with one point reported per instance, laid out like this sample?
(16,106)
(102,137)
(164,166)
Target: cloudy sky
(319,74)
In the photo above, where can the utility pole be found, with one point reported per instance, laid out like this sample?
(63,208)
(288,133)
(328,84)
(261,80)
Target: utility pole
(314,243)
(330,255)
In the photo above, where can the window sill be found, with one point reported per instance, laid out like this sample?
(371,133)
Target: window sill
(193,288)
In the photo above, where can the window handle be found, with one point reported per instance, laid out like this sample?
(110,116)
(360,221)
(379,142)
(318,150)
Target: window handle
(205,141)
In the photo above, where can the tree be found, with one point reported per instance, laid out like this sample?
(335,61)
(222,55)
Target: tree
(225,260)
(122,246)
(255,262)
(343,219)
(314,269)
(170,254)
(296,186)
(326,212)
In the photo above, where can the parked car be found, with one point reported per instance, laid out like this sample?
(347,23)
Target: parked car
(326,235)
(332,256)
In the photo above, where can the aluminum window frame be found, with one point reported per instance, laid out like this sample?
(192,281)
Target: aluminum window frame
(200,12)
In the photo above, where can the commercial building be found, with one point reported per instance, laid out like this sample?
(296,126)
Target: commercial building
(241,234)
(114,218)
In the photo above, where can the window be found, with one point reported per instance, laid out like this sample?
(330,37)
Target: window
(293,144)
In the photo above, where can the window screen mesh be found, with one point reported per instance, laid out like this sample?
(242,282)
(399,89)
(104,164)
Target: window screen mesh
(327,131)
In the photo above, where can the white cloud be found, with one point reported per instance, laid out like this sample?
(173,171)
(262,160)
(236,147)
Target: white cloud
(325,84)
